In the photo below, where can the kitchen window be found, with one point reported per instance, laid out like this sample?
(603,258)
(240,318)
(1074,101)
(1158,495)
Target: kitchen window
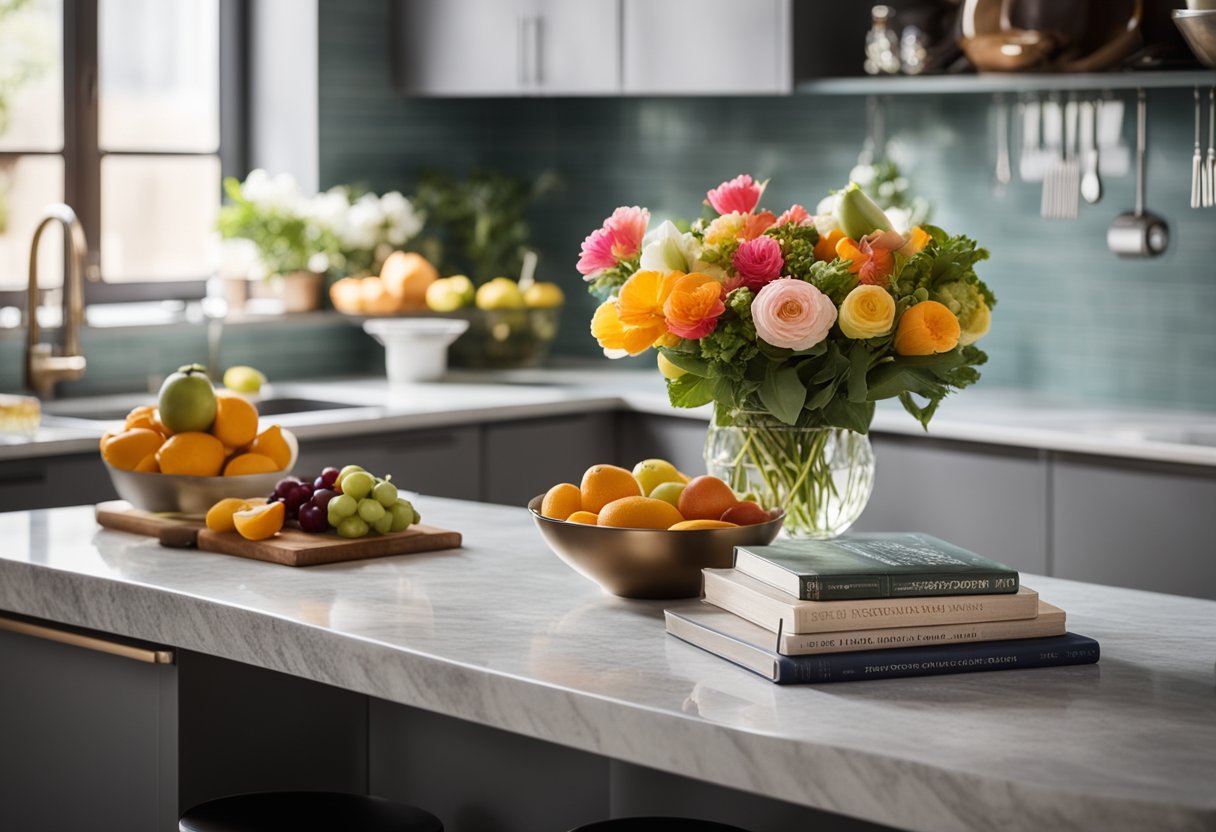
(131,112)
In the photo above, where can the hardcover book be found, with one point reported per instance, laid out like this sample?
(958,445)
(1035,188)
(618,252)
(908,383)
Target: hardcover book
(774,610)
(751,647)
(877,565)
(1049,622)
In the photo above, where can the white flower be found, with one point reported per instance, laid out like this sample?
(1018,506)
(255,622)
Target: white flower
(863,175)
(825,215)
(901,219)
(364,223)
(666,249)
(318,262)
(271,193)
(402,221)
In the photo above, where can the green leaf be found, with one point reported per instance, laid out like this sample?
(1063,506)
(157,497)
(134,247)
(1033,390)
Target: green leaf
(783,394)
(689,391)
(687,362)
(860,358)
(849,415)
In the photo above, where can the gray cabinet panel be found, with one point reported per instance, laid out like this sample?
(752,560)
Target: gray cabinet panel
(666,47)
(443,463)
(1140,526)
(989,499)
(565,63)
(461,47)
(86,739)
(523,459)
(47,482)
(679,440)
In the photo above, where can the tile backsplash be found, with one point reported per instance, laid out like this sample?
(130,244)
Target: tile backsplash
(1073,319)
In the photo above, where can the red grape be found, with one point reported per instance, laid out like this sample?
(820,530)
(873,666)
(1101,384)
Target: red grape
(322,496)
(329,476)
(313,518)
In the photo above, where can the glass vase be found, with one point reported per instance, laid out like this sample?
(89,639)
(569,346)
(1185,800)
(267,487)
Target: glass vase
(822,477)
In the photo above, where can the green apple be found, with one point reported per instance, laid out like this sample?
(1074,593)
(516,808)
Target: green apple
(187,400)
(652,472)
(668,492)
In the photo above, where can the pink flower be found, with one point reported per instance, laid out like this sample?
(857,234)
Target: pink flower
(757,262)
(795,214)
(793,314)
(620,238)
(740,194)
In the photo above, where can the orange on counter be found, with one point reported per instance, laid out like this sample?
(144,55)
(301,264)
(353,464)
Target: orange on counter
(250,464)
(604,483)
(561,501)
(236,420)
(639,513)
(260,522)
(143,417)
(128,449)
(271,443)
(705,498)
(193,453)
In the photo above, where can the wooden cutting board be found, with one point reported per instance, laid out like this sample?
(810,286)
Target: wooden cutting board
(290,547)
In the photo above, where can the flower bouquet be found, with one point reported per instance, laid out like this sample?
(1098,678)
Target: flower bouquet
(793,326)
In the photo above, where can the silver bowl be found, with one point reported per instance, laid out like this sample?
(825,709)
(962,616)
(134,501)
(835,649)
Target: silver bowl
(1198,27)
(647,563)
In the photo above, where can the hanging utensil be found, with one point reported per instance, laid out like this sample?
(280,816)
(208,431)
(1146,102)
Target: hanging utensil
(1053,151)
(1030,161)
(1091,182)
(1139,233)
(1004,171)
(1197,177)
(1211,167)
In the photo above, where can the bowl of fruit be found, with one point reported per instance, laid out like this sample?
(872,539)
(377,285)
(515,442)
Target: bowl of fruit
(193,447)
(649,532)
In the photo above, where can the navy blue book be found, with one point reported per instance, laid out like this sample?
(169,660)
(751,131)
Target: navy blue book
(754,648)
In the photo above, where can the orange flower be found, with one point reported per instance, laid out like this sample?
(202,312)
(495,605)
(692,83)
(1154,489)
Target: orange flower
(694,306)
(825,249)
(871,259)
(606,327)
(927,328)
(756,224)
(635,320)
(918,238)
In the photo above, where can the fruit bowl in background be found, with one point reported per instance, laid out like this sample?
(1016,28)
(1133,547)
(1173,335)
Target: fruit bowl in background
(647,563)
(179,494)
(503,339)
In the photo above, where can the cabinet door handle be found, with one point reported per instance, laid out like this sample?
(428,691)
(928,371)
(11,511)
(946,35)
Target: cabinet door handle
(538,78)
(95,643)
(521,50)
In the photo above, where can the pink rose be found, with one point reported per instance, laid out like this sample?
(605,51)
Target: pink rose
(757,262)
(793,314)
(740,194)
(795,214)
(620,238)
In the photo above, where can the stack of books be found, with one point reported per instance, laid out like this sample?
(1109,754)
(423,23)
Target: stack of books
(874,606)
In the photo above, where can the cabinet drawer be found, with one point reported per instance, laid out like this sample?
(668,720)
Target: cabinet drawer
(525,458)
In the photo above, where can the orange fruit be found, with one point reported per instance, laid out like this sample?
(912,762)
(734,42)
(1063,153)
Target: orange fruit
(148,465)
(705,498)
(271,443)
(639,513)
(242,464)
(141,417)
(126,450)
(219,516)
(584,517)
(236,420)
(604,483)
(191,453)
(694,525)
(259,522)
(561,501)
(746,513)
(158,425)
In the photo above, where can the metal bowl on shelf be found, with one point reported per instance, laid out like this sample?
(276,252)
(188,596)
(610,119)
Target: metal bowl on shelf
(647,563)
(1198,27)
(505,338)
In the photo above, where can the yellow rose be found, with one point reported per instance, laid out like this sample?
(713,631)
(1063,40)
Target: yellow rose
(867,312)
(977,325)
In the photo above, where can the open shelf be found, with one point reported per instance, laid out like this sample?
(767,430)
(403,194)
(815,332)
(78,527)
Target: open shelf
(1007,82)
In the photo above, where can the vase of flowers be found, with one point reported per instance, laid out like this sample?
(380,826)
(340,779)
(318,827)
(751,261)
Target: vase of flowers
(793,326)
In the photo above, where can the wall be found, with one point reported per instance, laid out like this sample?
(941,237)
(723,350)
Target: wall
(1073,319)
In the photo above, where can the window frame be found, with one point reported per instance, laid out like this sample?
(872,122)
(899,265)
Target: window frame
(82,153)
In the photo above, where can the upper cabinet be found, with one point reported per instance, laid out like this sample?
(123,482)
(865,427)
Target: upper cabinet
(450,48)
(507,47)
(707,47)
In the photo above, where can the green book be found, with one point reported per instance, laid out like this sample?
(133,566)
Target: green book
(874,565)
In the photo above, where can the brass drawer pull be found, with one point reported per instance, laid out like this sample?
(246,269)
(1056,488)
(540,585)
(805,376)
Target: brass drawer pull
(101,645)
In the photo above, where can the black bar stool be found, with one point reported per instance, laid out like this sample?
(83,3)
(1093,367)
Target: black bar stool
(306,812)
(657,825)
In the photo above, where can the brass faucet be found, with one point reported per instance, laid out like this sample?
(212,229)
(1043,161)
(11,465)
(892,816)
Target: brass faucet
(42,366)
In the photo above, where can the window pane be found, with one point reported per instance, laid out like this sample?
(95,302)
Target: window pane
(31,75)
(159,73)
(158,217)
(27,185)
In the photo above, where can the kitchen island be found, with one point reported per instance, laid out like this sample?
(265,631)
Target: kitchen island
(497,664)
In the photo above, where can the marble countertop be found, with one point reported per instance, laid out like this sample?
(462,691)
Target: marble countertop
(994,416)
(503,634)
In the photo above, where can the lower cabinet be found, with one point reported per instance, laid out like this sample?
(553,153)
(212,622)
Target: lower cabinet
(523,459)
(87,737)
(51,481)
(990,499)
(1140,525)
(443,463)
(678,439)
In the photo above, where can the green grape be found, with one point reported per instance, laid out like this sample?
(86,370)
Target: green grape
(346,470)
(352,527)
(344,505)
(358,484)
(403,515)
(370,510)
(384,525)
(385,493)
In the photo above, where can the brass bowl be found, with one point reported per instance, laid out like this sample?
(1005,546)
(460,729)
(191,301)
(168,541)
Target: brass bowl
(647,563)
(1198,26)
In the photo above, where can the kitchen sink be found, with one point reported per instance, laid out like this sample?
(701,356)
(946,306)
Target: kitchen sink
(70,412)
